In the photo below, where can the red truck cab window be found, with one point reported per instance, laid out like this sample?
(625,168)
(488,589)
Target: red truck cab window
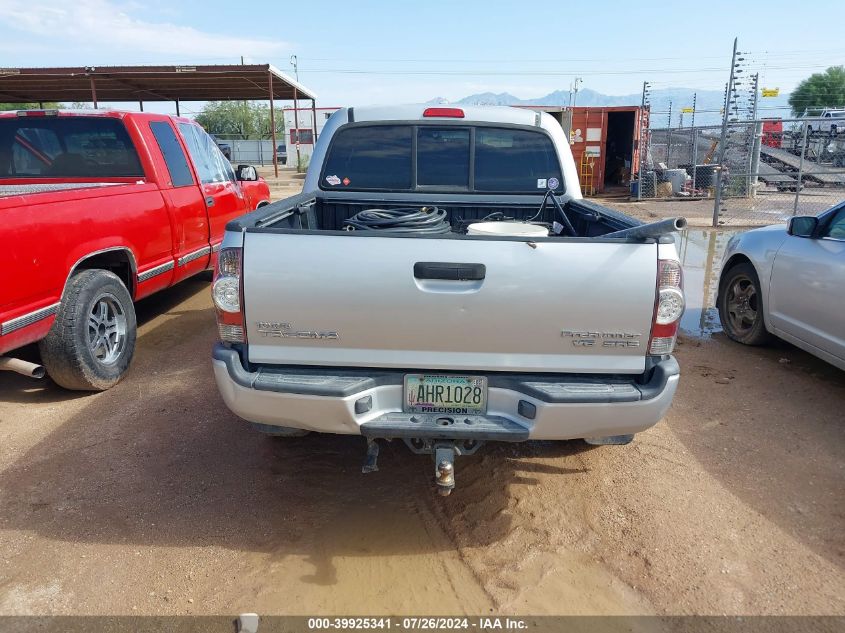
(77,147)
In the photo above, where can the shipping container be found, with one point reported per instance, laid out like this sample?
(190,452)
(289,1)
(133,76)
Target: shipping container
(604,142)
(773,132)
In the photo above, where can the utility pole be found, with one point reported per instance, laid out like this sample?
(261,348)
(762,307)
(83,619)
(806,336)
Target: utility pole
(575,97)
(723,140)
(294,63)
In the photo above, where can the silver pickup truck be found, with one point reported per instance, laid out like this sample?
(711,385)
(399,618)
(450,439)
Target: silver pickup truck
(441,281)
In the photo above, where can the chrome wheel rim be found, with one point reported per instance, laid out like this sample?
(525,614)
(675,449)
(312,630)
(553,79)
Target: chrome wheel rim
(742,306)
(106,329)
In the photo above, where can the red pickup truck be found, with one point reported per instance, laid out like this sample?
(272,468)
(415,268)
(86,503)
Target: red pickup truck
(99,209)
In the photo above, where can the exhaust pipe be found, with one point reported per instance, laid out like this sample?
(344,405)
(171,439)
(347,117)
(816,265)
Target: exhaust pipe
(22,367)
(655,229)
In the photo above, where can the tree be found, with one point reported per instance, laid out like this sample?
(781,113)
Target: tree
(242,119)
(47,105)
(819,91)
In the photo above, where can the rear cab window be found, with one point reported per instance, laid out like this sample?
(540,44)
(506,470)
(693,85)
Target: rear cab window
(423,157)
(67,147)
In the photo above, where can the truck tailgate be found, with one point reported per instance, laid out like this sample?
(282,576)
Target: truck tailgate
(354,300)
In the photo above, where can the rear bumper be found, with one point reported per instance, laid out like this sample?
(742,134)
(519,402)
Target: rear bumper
(357,402)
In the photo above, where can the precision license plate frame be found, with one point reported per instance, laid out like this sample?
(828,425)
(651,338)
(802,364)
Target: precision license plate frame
(444,401)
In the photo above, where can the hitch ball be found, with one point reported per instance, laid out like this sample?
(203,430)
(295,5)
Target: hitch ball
(445,477)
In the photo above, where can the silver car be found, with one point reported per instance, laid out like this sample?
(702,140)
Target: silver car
(788,281)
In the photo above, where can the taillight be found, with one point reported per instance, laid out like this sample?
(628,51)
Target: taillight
(450,113)
(227,295)
(668,308)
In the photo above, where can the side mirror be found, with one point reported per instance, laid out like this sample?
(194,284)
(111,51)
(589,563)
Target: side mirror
(802,226)
(247,173)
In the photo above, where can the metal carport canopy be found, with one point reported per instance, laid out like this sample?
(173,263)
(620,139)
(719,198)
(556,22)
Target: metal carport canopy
(149,83)
(98,84)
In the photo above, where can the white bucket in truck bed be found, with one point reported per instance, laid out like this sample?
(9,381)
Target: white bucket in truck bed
(513,229)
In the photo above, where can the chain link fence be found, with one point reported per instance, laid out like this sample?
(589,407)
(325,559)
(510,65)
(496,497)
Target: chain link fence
(253,152)
(766,171)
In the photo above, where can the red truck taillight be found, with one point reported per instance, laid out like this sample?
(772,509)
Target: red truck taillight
(226,292)
(449,113)
(668,308)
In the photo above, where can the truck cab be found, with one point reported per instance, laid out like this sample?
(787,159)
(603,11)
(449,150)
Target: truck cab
(101,208)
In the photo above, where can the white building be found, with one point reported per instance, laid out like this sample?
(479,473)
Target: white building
(299,128)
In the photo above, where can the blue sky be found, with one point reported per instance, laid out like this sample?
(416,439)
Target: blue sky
(357,53)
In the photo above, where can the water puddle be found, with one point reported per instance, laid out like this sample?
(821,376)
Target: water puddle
(701,251)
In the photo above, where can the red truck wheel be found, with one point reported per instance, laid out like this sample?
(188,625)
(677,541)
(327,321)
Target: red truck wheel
(92,340)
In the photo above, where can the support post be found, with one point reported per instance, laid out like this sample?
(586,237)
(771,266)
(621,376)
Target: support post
(141,105)
(800,171)
(723,141)
(177,108)
(669,138)
(694,97)
(314,124)
(273,124)
(754,163)
(694,154)
(93,91)
(643,149)
(296,127)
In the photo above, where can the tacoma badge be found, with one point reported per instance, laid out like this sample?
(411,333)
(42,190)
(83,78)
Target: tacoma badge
(278,329)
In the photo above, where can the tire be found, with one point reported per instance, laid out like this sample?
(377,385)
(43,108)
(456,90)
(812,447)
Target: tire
(740,304)
(92,340)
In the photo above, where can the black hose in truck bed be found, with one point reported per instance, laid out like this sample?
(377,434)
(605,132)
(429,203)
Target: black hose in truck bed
(426,220)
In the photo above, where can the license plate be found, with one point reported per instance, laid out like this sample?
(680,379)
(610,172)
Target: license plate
(432,393)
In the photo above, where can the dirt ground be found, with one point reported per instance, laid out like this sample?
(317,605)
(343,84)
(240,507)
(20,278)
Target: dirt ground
(152,498)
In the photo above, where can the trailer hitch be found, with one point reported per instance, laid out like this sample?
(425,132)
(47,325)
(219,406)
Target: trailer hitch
(444,452)
(444,474)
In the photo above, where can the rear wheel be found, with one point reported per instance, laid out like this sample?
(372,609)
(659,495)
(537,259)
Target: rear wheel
(92,340)
(741,306)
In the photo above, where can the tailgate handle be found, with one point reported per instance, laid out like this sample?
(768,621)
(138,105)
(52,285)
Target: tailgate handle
(449,270)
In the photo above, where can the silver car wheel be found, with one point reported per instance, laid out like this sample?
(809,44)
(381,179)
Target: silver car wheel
(742,304)
(106,329)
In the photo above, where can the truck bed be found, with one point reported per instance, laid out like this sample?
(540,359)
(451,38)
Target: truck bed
(318,213)
(19,190)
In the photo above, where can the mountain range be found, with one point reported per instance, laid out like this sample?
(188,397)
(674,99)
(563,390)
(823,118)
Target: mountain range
(708,103)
